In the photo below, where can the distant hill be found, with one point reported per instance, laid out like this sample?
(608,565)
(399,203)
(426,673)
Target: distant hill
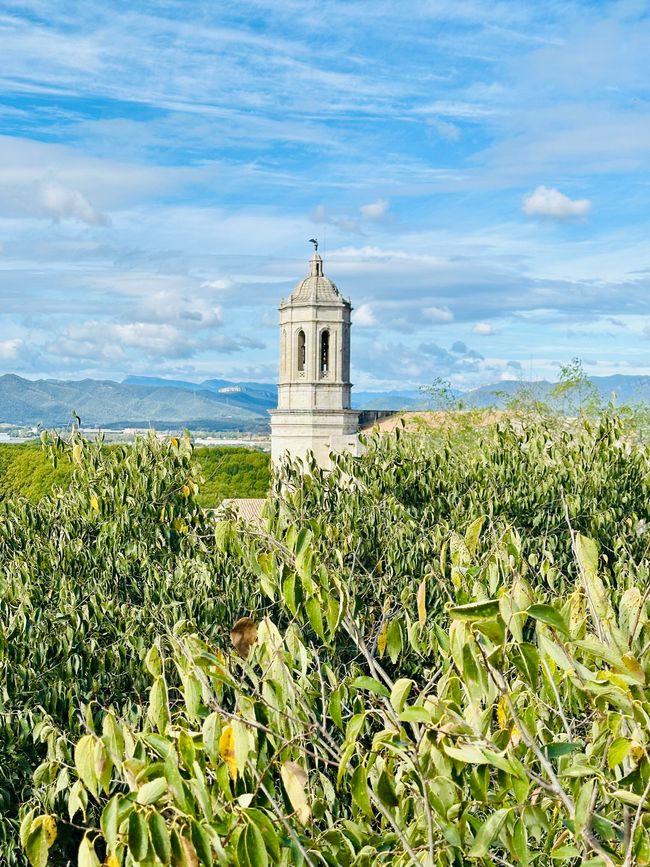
(220,404)
(627,390)
(102,403)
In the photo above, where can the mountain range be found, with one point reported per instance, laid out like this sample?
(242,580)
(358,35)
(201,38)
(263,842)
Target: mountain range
(219,404)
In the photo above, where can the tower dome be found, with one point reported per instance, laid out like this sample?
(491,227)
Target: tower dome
(316,287)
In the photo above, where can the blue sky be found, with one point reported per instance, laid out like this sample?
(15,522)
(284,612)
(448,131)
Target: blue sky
(477,173)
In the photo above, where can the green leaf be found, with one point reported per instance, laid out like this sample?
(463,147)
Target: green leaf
(565,853)
(25,826)
(587,553)
(175,781)
(138,837)
(467,753)
(488,833)
(400,693)
(266,826)
(158,711)
(548,615)
(202,844)
(313,607)
(251,851)
(354,727)
(359,790)
(335,708)
(84,760)
(583,805)
(153,661)
(370,684)
(473,533)
(385,790)
(211,735)
(475,610)
(150,792)
(627,797)
(618,750)
(109,822)
(415,714)
(159,835)
(77,800)
(526,658)
(87,856)
(394,640)
(556,749)
(520,842)
(36,845)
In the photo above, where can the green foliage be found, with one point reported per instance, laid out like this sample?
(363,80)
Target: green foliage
(27,471)
(446,662)
(232,471)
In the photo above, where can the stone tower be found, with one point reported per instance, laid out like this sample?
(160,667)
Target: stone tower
(314,411)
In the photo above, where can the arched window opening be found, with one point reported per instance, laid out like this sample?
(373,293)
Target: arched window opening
(324,352)
(301,351)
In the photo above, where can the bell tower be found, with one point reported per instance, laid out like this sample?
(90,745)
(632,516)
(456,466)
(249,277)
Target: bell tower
(314,411)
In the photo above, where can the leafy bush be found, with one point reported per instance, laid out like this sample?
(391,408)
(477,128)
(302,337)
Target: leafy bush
(437,656)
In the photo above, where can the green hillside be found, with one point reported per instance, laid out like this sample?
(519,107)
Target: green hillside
(229,471)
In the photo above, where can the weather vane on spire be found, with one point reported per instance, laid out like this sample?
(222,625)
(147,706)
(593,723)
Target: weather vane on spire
(314,241)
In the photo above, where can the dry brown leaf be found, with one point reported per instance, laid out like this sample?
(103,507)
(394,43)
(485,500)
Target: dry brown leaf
(191,858)
(244,635)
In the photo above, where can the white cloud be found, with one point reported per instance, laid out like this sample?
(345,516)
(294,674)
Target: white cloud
(10,349)
(549,202)
(374,210)
(224,284)
(445,129)
(63,203)
(438,314)
(364,317)
(483,328)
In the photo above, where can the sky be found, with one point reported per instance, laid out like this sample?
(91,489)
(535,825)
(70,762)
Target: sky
(477,174)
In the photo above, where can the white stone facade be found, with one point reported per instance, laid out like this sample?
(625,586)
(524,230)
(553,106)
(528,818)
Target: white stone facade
(314,411)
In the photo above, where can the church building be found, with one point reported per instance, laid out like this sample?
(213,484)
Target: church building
(314,412)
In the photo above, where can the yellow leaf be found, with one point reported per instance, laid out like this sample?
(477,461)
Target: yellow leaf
(48,825)
(180,526)
(636,751)
(244,635)
(502,718)
(111,861)
(185,490)
(174,442)
(634,667)
(382,639)
(422,602)
(76,453)
(227,750)
(94,503)
(294,779)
